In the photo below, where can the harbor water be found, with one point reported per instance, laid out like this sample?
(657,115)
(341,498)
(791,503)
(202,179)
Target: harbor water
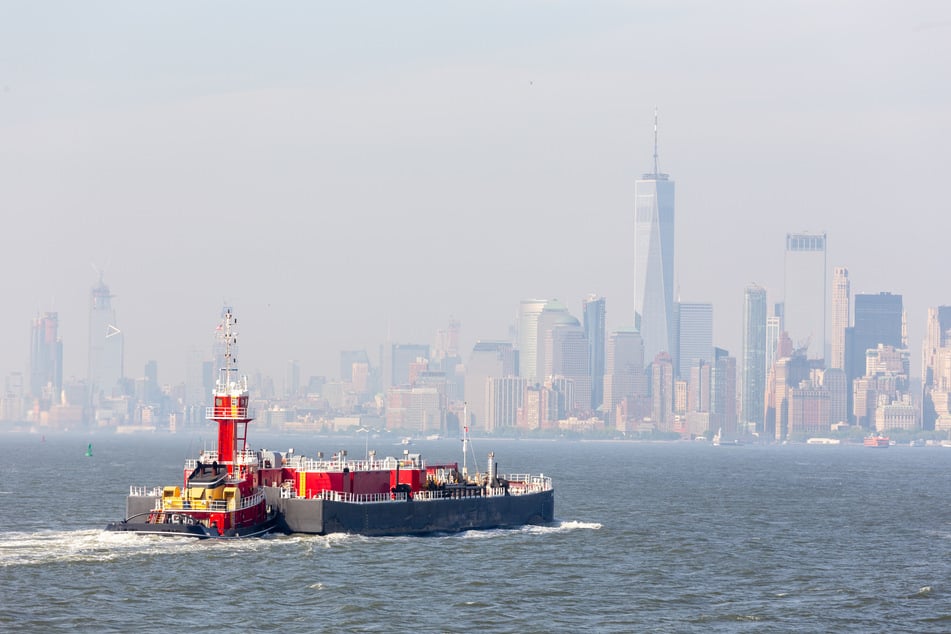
(665,537)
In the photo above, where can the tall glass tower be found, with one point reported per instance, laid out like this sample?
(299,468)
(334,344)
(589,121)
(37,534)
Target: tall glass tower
(529,310)
(840,315)
(594,318)
(804,311)
(754,356)
(105,345)
(694,333)
(654,259)
(46,357)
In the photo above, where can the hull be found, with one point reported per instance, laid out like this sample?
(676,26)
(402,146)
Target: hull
(410,517)
(138,508)
(196,531)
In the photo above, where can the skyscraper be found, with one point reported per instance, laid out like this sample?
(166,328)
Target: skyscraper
(554,314)
(654,259)
(46,358)
(566,349)
(489,360)
(662,392)
(503,400)
(529,310)
(840,315)
(878,320)
(402,357)
(754,356)
(936,370)
(105,345)
(804,311)
(594,330)
(723,391)
(624,376)
(694,332)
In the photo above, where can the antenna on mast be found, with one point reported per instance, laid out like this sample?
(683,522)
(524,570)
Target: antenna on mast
(655,141)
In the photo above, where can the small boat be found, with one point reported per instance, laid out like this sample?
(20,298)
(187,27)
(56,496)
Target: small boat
(720,441)
(822,441)
(877,441)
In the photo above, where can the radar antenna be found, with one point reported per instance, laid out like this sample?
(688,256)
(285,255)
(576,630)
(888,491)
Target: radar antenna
(656,171)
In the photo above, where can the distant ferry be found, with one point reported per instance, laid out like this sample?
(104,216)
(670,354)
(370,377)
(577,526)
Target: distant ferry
(823,441)
(877,441)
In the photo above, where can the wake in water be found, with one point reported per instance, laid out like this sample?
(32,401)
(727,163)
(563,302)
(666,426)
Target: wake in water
(45,547)
(27,549)
(558,526)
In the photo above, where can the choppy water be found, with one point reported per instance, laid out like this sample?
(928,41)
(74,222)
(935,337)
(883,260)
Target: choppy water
(661,538)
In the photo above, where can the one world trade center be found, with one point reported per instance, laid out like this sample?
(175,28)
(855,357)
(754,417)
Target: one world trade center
(654,260)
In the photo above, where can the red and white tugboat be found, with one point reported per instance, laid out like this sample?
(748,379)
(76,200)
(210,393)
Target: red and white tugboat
(221,494)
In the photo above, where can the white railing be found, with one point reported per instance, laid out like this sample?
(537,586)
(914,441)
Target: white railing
(228,413)
(202,505)
(208,458)
(246,457)
(359,498)
(309,464)
(145,492)
(523,483)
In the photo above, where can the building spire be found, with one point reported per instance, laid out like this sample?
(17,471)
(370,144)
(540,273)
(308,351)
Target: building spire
(655,141)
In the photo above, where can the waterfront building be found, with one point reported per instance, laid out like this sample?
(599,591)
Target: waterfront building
(809,410)
(897,415)
(654,259)
(804,286)
(504,398)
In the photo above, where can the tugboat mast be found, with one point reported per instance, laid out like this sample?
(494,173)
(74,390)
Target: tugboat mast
(230,410)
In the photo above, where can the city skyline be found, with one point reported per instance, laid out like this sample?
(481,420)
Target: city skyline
(530,146)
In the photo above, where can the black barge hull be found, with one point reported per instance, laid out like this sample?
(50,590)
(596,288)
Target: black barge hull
(410,517)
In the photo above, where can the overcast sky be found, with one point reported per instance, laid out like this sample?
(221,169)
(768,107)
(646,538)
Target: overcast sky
(343,173)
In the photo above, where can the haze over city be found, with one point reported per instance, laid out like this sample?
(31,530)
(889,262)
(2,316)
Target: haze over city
(348,176)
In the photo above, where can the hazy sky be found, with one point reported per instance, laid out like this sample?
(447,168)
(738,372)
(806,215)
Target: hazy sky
(338,172)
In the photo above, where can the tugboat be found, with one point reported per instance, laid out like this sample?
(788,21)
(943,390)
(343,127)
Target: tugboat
(235,492)
(221,496)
